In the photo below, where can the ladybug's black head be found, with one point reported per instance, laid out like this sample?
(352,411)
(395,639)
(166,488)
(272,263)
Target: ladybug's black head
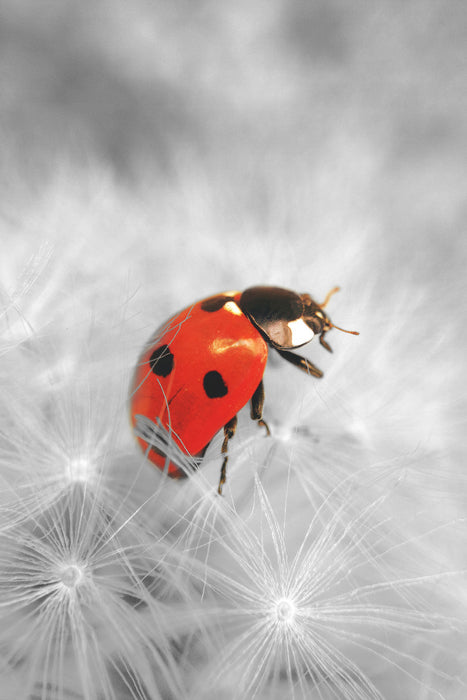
(287,319)
(316,318)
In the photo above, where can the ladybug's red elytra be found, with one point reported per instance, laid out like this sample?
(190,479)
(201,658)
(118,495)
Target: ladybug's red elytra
(208,361)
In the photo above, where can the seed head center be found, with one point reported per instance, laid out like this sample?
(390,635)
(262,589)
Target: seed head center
(71,575)
(285,610)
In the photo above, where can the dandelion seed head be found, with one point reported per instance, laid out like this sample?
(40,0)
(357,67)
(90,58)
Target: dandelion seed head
(325,620)
(285,611)
(284,432)
(81,468)
(358,428)
(89,587)
(71,575)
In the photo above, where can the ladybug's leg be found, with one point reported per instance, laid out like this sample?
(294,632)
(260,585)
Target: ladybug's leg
(300,362)
(257,401)
(229,432)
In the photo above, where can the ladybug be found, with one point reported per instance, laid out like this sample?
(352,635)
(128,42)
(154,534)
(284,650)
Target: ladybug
(202,366)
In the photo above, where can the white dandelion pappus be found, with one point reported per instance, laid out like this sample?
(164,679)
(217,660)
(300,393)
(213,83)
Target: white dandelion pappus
(63,420)
(21,295)
(91,606)
(50,438)
(332,621)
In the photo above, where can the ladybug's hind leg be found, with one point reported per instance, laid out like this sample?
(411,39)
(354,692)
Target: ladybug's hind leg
(257,401)
(229,432)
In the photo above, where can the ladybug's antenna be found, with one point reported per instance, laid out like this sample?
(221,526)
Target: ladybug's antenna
(328,296)
(325,302)
(343,330)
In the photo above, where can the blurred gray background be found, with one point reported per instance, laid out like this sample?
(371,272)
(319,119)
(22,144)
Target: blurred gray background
(361,85)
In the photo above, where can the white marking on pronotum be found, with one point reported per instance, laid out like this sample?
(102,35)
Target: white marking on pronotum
(301,332)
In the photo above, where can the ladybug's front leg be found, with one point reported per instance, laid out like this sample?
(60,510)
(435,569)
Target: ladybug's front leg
(300,362)
(229,432)
(257,402)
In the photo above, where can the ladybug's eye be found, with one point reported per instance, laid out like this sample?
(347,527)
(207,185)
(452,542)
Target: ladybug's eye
(314,316)
(315,323)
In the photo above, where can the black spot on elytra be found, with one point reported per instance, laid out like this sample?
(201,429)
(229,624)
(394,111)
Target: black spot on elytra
(161,361)
(215,303)
(214,385)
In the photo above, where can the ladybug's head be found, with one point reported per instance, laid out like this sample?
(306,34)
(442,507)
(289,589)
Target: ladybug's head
(287,319)
(315,317)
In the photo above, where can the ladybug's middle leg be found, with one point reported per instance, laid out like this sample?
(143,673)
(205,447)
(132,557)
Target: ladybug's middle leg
(257,401)
(229,432)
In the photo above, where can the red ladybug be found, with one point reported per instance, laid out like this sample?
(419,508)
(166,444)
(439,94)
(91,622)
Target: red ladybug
(207,362)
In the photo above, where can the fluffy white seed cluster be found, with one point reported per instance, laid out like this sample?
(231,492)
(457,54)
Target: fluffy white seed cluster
(332,568)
